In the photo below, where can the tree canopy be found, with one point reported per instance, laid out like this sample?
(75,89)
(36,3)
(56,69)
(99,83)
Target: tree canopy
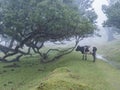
(31,23)
(113,14)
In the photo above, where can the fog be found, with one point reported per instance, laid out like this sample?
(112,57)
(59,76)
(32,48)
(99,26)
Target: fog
(97,5)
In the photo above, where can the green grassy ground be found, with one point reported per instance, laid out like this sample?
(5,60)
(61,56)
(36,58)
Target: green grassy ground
(111,51)
(69,73)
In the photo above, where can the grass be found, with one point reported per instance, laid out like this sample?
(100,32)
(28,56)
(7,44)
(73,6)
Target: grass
(68,73)
(62,79)
(111,51)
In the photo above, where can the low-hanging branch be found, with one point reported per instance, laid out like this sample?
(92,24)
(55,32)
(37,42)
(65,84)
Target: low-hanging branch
(61,52)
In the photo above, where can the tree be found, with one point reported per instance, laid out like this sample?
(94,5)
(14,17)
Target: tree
(30,23)
(113,14)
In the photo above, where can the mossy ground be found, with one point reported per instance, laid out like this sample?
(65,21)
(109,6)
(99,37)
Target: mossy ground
(62,79)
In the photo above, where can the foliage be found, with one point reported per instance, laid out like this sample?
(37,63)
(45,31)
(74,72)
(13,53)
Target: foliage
(113,14)
(31,23)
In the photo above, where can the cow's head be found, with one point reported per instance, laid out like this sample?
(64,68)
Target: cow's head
(80,48)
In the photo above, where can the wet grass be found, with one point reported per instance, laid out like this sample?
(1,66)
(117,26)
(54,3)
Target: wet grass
(68,73)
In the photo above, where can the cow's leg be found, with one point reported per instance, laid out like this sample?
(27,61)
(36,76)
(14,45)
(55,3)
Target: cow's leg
(94,57)
(85,56)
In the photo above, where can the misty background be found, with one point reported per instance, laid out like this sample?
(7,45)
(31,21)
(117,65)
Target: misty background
(97,5)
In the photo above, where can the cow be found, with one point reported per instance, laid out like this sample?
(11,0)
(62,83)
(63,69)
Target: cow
(86,50)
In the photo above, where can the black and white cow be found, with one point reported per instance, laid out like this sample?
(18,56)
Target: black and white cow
(86,50)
